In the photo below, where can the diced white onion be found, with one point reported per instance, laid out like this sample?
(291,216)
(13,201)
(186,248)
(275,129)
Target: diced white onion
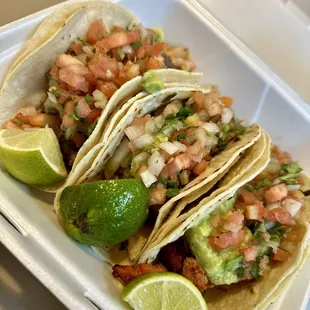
(273,205)
(148,178)
(36,99)
(269,225)
(169,147)
(273,244)
(292,206)
(134,132)
(293,187)
(127,49)
(88,51)
(211,142)
(181,147)
(142,31)
(172,108)
(98,95)
(202,136)
(203,115)
(101,104)
(227,115)
(156,163)
(140,159)
(190,101)
(143,141)
(150,126)
(211,127)
(159,121)
(52,97)
(115,161)
(276,181)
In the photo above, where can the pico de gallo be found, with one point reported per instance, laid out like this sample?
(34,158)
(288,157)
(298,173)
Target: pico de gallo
(170,147)
(85,77)
(243,237)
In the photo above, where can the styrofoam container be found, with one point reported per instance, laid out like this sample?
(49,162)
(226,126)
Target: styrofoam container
(28,224)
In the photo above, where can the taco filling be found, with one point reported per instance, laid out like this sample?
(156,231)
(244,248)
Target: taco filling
(84,78)
(243,237)
(170,147)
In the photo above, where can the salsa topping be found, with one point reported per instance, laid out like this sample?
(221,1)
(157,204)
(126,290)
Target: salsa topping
(83,79)
(170,147)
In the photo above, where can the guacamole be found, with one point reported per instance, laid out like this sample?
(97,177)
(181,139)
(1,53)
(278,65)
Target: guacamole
(220,268)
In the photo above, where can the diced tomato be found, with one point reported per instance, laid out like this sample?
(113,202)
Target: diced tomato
(280,215)
(199,98)
(108,88)
(250,253)
(140,121)
(122,78)
(153,64)
(292,235)
(104,67)
(54,73)
(276,193)
(248,197)
(234,222)
(179,163)
(214,109)
(157,196)
(78,139)
(93,116)
(69,76)
(96,31)
(255,212)
(90,77)
(200,167)
(77,48)
(227,240)
(155,49)
(282,157)
(281,255)
(165,155)
(227,101)
(215,221)
(118,39)
(195,149)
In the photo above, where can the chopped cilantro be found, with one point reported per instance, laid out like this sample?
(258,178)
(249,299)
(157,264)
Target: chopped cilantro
(162,179)
(240,271)
(226,128)
(19,122)
(83,41)
(121,53)
(249,187)
(74,115)
(234,264)
(290,168)
(262,183)
(171,192)
(56,93)
(135,45)
(153,185)
(185,112)
(238,128)
(172,184)
(88,99)
(255,268)
(181,136)
(222,144)
(208,133)
(276,232)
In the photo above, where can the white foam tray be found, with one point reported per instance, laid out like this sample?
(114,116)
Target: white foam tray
(28,225)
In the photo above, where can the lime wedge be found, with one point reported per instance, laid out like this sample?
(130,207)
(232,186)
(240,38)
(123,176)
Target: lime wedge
(163,290)
(33,156)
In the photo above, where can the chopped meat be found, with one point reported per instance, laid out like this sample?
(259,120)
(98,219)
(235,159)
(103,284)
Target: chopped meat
(171,257)
(193,271)
(129,273)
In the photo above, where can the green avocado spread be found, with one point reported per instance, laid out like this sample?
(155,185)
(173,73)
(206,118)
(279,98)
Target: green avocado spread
(220,268)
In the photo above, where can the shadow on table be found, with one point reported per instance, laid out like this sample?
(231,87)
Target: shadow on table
(19,289)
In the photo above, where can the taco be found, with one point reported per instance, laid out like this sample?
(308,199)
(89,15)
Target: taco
(176,141)
(242,251)
(94,55)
